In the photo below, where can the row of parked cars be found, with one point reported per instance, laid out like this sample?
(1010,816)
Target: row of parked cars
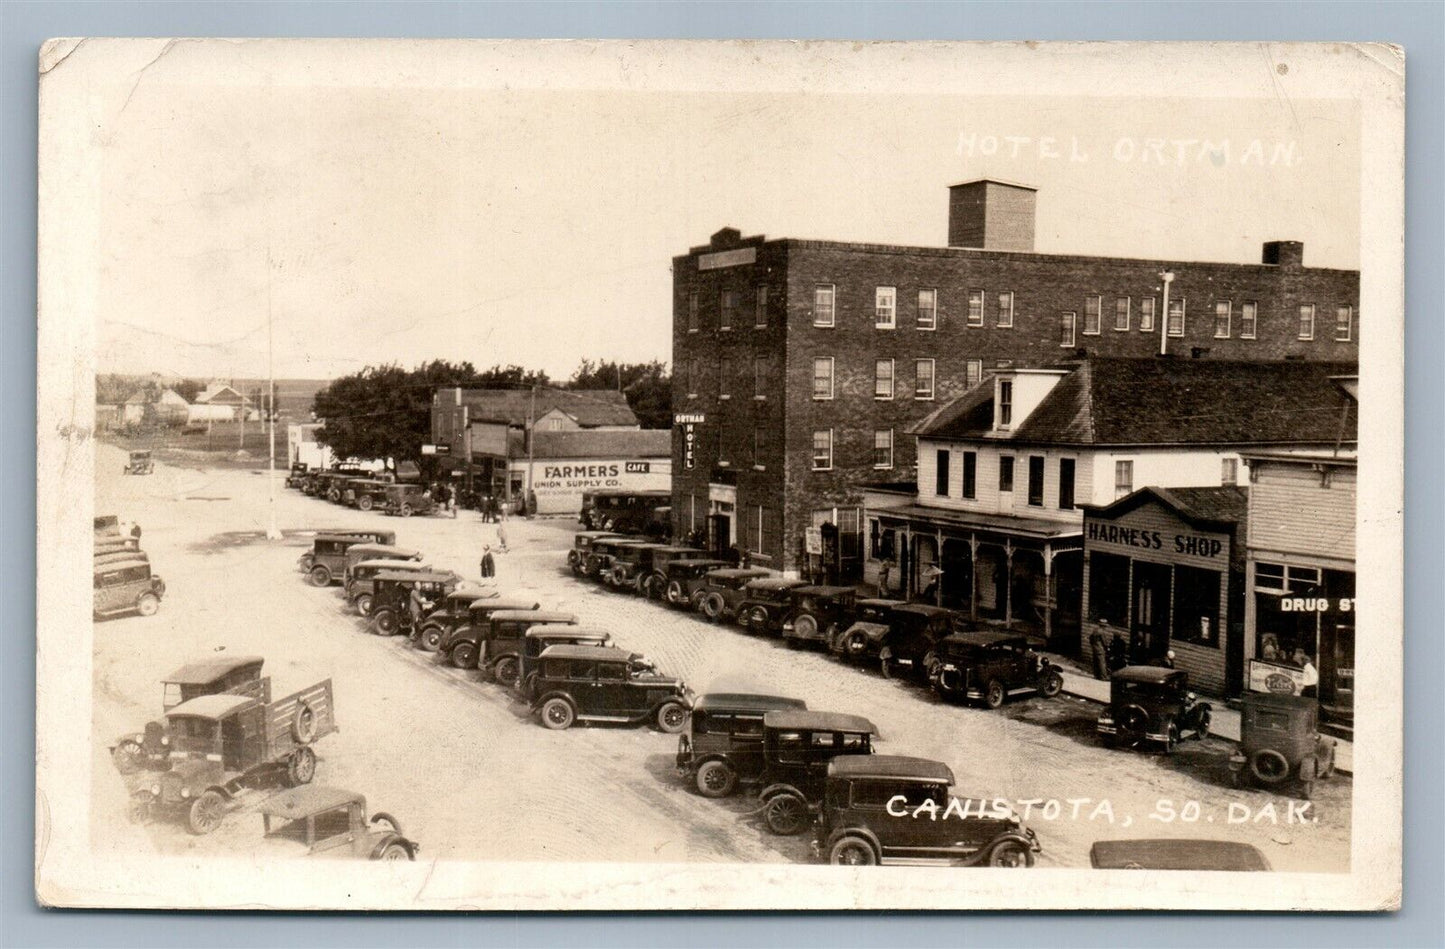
(124,582)
(355,487)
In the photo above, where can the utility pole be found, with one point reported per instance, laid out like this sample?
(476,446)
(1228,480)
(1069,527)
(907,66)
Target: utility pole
(531,434)
(1168,277)
(272,531)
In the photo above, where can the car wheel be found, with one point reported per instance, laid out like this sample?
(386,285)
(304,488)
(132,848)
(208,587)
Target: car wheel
(463,655)
(786,815)
(716,779)
(1011,854)
(885,666)
(671,717)
(395,851)
(712,607)
(755,620)
(1132,726)
(1201,730)
(675,593)
(405,510)
(1268,766)
(364,503)
(1053,684)
(320,576)
(206,813)
(303,726)
(805,627)
(430,639)
(363,604)
(852,852)
(994,694)
(505,671)
(148,604)
(1328,768)
(128,756)
(855,647)
(139,811)
(301,768)
(557,714)
(1171,738)
(385,623)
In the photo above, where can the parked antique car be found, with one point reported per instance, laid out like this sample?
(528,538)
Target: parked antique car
(601,553)
(913,631)
(363,552)
(797,746)
(537,638)
(335,484)
(212,675)
(631,564)
(582,545)
(605,684)
(816,613)
(686,579)
(626,512)
(222,745)
(1279,739)
(890,809)
(1152,703)
(987,666)
(328,550)
(765,603)
(140,463)
(297,475)
(106,545)
(404,500)
(361,582)
(391,604)
(653,583)
(126,585)
(1176,853)
(723,746)
(465,642)
(119,555)
(364,493)
(861,640)
(330,822)
(452,611)
(722,591)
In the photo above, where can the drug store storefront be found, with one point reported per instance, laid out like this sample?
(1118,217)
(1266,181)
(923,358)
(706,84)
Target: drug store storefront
(1165,569)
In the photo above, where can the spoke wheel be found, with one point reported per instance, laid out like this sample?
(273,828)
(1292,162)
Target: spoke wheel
(363,604)
(1269,766)
(716,779)
(301,768)
(320,576)
(430,639)
(994,694)
(557,714)
(786,814)
(206,813)
(1011,855)
(505,671)
(464,655)
(128,756)
(395,852)
(1053,685)
(671,717)
(853,852)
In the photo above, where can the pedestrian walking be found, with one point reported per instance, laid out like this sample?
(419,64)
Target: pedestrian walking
(502,537)
(489,563)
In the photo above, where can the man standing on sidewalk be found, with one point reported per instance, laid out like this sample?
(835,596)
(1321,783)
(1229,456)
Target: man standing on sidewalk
(489,563)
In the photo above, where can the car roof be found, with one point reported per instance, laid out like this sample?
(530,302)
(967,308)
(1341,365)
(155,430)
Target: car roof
(559,630)
(745,702)
(679,549)
(890,766)
(777,583)
(824,590)
(699,562)
(1176,854)
(1156,675)
(351,538)
(211,706)
(983,637)
(499,606)
(599,535)
(646,545)
(108,566)
(300,803)
(365,549)
(206,670)
(422,576)
(818,721)
(408,566)
(922,609)
(879,601)
(733,573)
(473,594)
(584,652)
(535,616)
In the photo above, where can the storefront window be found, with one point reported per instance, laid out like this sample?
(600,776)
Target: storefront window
(1109,589)
(1196,606)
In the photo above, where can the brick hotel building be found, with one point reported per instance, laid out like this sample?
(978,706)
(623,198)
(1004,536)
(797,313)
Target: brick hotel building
(799,365)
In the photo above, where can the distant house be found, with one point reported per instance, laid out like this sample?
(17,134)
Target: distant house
(218,403)
(172,407)
(137,408)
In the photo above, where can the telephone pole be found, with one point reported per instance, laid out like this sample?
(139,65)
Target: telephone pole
(272,531)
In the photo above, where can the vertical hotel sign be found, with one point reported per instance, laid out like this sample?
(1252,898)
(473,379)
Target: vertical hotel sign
(689,423)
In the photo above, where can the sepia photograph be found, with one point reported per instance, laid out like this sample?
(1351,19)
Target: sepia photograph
(720,475)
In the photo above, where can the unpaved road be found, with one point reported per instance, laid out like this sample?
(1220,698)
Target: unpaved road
(472,776)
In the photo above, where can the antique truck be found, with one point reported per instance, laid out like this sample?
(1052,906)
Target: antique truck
(722,591)
(224,745)
(330,822)
(1152,704)
(1280,740)
(765,603)
(817,613)
(797,746)
(686,580)
(213,675)
(882,809)
(582,545)
(584,683)
(463,643)
(125,584)
(723,746)
(987,666)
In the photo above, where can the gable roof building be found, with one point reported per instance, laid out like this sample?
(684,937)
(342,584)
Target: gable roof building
(583,408)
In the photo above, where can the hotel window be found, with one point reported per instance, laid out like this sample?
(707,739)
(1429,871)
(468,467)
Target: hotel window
(1146,314)
(1006,309)
(1006,473)
(885,308)
(823,299)
(1066,328)
(760,306)
(1123,478)
(1223,316)
(1344,316)
(823,450)
(1121,314)
(1066,484)
(1093,309)
(1248,319)
(727,309)
(883,379)
(975,308)
(1036,480)
(927,309)
(970,474)
(923,379)
(973,373)
(760,444)
(1005,403)
(941,474)
(724,378)
(823,378)
(760,377)
(1228,471)
(1176,317)
(1307,321)
(883,448)
(758,540)
(692,378)
(693,305)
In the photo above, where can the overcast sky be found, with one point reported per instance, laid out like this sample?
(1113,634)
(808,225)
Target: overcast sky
(537,227)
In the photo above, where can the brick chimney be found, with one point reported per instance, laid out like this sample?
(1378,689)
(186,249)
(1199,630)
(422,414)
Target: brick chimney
(1287,254)
(991,215)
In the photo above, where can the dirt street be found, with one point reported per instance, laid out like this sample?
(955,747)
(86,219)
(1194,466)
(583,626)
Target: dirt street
(472,776)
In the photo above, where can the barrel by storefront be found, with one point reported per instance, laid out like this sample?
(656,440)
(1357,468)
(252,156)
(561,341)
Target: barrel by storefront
(1164,568)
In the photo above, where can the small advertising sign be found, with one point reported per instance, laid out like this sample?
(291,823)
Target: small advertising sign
(1276,678)
(813,538)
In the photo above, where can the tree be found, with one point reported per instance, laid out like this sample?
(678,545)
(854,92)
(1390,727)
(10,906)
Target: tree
(188,389)
(647,385)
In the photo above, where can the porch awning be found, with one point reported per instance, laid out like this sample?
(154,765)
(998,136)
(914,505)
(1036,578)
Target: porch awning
(1031,528)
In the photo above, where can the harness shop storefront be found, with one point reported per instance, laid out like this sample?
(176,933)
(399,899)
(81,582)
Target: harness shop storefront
(1165,570)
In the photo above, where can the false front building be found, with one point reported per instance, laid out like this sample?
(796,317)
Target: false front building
(799,365)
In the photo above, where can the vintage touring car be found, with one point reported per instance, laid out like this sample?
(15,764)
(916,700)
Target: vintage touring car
(605,684)
(330,822)
(126,585)
(1152,704)
(987,666)
(723,746)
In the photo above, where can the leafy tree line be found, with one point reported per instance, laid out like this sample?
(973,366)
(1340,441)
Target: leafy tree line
(385,411)
(113,388)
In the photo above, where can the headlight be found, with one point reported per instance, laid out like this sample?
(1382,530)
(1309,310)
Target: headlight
(156,790)
(1191,696)
(165,739)
(185,792)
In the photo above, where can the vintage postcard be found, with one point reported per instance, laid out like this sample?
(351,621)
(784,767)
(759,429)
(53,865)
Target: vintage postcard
(717,475)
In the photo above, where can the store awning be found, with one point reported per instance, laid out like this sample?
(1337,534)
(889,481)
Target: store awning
(1031,528)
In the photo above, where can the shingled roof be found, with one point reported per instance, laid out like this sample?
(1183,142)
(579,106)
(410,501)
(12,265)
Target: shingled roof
(1121,401)
(642,443)
(589,407)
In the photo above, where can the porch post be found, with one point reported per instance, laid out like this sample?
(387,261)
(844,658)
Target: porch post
(1008,581)
(972,575)
(938,565)
(1048,591)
